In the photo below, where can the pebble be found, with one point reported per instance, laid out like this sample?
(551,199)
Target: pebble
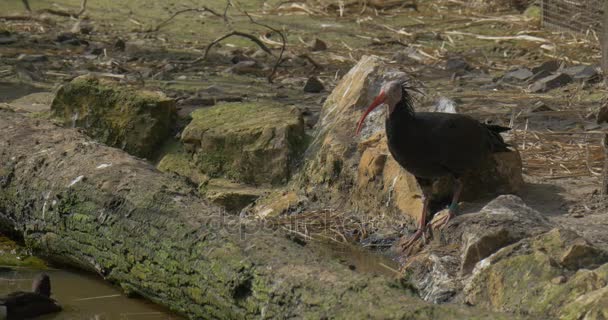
(551,82)
(313,85)
(318,45)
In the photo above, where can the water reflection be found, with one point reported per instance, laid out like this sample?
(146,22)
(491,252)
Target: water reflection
(84,297)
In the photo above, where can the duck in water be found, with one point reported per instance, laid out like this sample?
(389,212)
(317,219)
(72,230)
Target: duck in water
(24,305)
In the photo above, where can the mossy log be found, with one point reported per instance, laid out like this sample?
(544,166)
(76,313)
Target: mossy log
(78,202)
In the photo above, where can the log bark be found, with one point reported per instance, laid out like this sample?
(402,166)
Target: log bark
(78,202)
(604,40)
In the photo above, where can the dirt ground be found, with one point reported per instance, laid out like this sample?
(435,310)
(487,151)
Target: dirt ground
(555,131)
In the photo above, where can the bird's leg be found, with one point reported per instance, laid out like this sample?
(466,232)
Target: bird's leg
(452,209)
(422,226)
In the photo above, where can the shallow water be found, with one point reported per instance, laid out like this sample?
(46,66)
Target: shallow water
(84,297)
(361,260)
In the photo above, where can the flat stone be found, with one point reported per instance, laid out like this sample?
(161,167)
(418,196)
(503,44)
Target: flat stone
(313,85)
(582,72)
(551,82)
(456,64)
(539,75)
(7,40)
(549,66)
(520,74)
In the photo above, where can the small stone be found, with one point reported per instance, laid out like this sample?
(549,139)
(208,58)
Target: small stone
(602,115)
(32,57)
(182,77)
(7,39)
(559,280)
(70,38)
(318,45)
(120,45)
(520,74)
(551,82)
(582,72)
(313,85)
(539,75)
(244,67)
(457,64)
(549,66)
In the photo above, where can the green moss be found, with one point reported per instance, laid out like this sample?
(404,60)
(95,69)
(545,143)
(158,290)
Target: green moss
(12,255)
(136,121)
(255,143)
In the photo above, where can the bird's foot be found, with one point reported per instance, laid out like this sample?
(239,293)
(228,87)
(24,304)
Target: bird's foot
(420,233)
(443,221)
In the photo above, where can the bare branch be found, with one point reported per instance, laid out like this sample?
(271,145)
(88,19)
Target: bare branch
(240,34)
(201,10)
(283,40)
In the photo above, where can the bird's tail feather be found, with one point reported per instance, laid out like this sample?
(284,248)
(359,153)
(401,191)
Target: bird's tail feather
(497,143)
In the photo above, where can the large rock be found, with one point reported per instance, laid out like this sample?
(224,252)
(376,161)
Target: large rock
(246,142)
(556,274)
(440,271)
(342,168)
(136,121)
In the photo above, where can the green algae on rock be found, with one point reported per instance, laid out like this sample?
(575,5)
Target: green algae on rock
(254,143)
(520,278)
(12,255)
(136,121)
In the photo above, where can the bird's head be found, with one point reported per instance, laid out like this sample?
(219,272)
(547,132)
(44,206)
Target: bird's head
(42,285)
(391,94)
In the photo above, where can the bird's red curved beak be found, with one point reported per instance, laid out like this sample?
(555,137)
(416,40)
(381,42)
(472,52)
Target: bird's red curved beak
(377,101)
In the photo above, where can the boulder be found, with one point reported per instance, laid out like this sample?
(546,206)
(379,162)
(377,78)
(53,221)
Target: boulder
(342,168)
(521,278)
(440,271)
(252,143)
(136,121)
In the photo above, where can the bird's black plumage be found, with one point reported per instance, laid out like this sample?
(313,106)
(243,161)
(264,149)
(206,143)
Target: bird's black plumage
(24,305)
(433,144)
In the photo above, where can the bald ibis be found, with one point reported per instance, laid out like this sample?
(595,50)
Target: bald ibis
(431,145)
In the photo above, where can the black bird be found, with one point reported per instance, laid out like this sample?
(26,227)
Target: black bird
(24,305)
(431,145)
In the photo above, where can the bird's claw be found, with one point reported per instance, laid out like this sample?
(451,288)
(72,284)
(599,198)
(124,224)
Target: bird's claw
(443,221)
(420,233)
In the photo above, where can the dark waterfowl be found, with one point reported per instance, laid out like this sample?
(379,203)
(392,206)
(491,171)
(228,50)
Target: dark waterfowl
(24,305)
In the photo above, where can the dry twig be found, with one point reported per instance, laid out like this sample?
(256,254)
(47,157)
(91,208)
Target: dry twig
(200,10)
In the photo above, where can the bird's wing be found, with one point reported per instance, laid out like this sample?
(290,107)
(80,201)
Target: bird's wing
(461,142)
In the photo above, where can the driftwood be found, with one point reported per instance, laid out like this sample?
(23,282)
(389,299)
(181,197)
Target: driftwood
(78,202)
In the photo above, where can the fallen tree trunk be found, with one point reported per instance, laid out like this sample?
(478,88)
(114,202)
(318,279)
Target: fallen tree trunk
(85,204)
